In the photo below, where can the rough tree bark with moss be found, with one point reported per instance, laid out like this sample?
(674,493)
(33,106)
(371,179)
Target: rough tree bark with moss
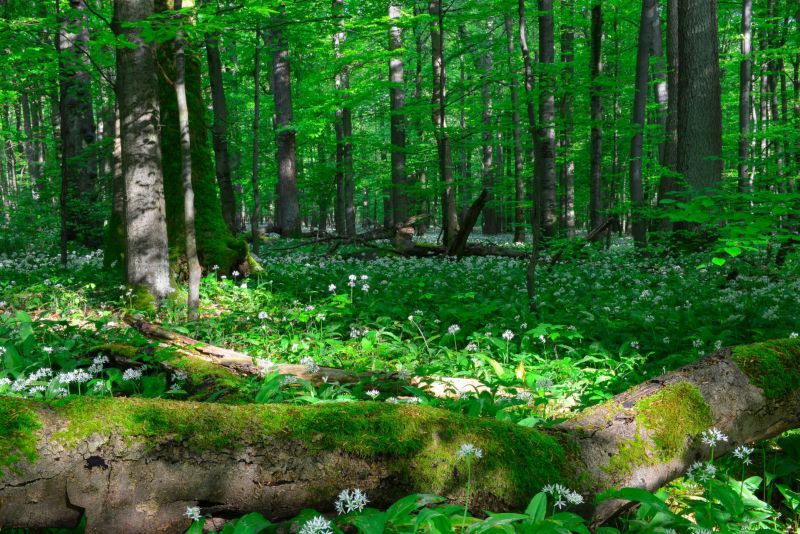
(215,243)
(134,465)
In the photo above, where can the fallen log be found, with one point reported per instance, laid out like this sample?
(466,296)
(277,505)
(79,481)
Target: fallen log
(134,465)
(244,364)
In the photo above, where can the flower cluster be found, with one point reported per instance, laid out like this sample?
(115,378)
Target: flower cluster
(563,495)
(351,501)
(468,450)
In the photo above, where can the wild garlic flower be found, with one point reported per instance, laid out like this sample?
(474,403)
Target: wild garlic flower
(332,288)
(193,513)
(743,452)
(712,436)
(288,380)
(563,495)
(508,335)
(454,328)
(468,450)
(701,472)
(311,365)
(373,394)
(351,501)
(316,525)
(263,315)
(132,374)
(472,347)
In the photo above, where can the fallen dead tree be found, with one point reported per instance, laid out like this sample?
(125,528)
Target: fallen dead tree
(244,364)
(134,465)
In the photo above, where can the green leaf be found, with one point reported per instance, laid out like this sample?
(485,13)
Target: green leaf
(537,508)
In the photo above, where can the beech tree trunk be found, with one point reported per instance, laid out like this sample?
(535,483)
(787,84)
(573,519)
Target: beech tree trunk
(193,298)
(345,181)
(397,96)
(219,107)
(519,180)
(439,118)
(639,226)
(147,258)
(565,110)
(596,103)
(668,184)
(134,465)
(485,66)
(745,79)
(546,132)
(78,158)
(255,218)
(288,212)
(699,106)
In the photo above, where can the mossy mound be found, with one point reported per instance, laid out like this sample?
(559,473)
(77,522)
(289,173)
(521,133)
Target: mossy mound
(773,366)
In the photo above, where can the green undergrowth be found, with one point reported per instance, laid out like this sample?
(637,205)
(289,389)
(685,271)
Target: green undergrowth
(773,366)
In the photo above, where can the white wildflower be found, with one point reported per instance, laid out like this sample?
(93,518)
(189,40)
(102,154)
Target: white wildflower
(373,393)
(508,335)
(311,365)
(193,513)
(132,374)
(351,501)
(468,450)
(712,436)
(317,525)
(454,328)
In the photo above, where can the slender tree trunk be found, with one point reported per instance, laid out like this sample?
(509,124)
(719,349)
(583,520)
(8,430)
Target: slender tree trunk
(745,75)
(485,66)
(639,226)
(519,180)
(114,254)
(668,183)
(567,74)
(78,157)
(147,258)
(255,218)
(344,126)
(546,132)
(398,121)
(596,104)
(220,133)
(699,106)
(193,300)
(439,118)
(288,219)
(29,146)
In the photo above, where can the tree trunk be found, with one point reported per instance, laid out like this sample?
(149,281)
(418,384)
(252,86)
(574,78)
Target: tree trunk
(398,120)
(288,219)
(255,218)
(546,132)
(78,158)
(134,465)
(220,133)
(596,103)
(519,180)
(439,118)
(29,144)
(668,183)
(699,107)
(344,127)
(114,253)
(147,258)
(567,98)
(485,66)
(193,298)
(745,79)
(639,226)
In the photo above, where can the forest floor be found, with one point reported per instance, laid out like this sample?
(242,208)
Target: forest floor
(606,320)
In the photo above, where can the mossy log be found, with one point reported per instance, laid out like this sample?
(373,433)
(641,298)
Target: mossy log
(134,465)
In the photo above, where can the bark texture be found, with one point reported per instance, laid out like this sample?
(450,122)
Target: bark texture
(133,465)
(546,131)
(137,97)
(596,103)
(699,106)
(397,96)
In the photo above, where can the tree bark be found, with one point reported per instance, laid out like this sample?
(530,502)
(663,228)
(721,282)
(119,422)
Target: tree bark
(639,226)
(699,106)
(255,218)
(345,179)
(668,184)
(147,259)
(567,98)
(78,158)
(596,104)
(193,297)
(485,66)
(519,180)
(546,132)
(134,465)
(398,120)
(219,107)
(439,118)
(288,219)
(745,79)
